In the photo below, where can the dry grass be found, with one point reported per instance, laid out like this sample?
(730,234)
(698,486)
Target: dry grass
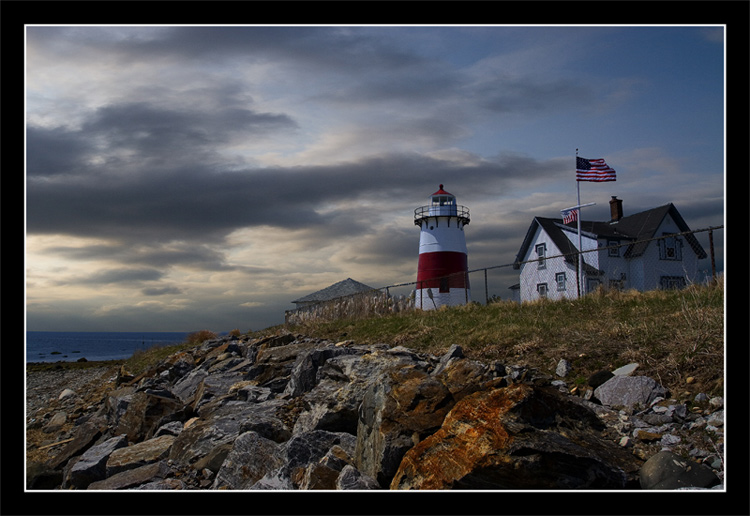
(673,334)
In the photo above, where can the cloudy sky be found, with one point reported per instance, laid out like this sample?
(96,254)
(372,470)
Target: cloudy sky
(203,177)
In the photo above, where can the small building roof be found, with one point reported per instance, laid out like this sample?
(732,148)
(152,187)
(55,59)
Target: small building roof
(343,288)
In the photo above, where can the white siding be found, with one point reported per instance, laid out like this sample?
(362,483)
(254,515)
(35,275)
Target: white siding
(532,275)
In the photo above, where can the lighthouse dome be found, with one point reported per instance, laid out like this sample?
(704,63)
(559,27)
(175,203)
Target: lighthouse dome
(442,204)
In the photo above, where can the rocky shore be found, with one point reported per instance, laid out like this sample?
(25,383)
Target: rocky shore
(290,412)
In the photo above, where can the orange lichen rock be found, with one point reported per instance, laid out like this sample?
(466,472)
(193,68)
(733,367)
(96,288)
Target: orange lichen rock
(517,437)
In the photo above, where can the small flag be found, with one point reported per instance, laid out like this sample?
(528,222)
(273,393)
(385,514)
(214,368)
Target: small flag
(593,170)
(569,215)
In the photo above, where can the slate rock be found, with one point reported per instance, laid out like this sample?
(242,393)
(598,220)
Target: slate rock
(251,457)
(134,477)
(84,437)
(351,478)
(629,391)
(139,454)
(563,368)
(92,466)
(667,470)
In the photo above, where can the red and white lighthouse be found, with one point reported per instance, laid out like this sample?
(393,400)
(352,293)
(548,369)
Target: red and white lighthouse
(442,273)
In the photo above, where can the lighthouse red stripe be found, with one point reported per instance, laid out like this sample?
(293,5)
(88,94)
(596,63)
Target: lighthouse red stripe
(442,270)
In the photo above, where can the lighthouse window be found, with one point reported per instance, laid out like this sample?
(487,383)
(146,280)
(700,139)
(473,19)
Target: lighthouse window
(442,200)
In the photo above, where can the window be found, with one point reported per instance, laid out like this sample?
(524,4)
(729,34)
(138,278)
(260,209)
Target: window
(670,248)
(560,279)
(613,251)
(542,289)
(541,251)
(672,282)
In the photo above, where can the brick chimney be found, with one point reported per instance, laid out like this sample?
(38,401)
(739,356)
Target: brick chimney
(615,208)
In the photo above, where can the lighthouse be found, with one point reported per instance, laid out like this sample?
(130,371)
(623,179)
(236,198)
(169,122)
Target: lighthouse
(442,273)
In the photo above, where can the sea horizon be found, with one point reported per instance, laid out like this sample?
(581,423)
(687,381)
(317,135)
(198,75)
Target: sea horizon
(71,346)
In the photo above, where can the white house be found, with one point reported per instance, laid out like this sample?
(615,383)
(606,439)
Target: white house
(635,252)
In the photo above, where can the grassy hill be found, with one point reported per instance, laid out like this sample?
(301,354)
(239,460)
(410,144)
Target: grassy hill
(677,336)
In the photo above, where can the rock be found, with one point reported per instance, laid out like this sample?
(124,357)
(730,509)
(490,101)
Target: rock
(84,437)
(66,393)
(518,437)
(396,414)
(41,476)
(92,466)
(250,459)
(140,454)
(351,478)
(291,412)
(666,470)
(629,391)
(625,370)
(597,379)
(303,375)
(56,422)
(133,477)
(563,368)
(147,411)
(454,352)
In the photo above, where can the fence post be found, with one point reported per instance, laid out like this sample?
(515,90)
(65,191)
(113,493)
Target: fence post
(711,247)
(486,291)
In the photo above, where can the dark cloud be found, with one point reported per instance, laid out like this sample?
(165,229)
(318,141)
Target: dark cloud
(56,151)
(119,275)
(158,178)
(161,291)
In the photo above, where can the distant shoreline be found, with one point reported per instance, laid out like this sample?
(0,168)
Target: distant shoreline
(68,365)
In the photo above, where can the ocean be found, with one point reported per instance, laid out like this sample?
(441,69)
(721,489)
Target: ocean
(69,346)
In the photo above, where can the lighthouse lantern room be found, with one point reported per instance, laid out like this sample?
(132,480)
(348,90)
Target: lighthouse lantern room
(442,272)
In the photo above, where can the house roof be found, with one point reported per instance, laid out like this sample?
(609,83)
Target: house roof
(343,288)
(636,227)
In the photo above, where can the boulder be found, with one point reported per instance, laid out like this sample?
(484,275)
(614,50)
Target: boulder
(140,454)
(84,436)
(92,466)
(134,477)
(147,411)
(395,414)
(251,458)
(629,391)
(351,478)
(667,470)
(56,422)
(518,437)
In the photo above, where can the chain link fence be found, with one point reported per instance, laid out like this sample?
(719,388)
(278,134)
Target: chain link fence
(669,261)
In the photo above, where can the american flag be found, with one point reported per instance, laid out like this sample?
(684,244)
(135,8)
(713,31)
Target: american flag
(593,170)
(569,215)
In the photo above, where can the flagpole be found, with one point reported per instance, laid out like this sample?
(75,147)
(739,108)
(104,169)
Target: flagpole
(580,249)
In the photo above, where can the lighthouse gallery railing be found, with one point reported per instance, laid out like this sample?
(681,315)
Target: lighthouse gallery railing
(445,210)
